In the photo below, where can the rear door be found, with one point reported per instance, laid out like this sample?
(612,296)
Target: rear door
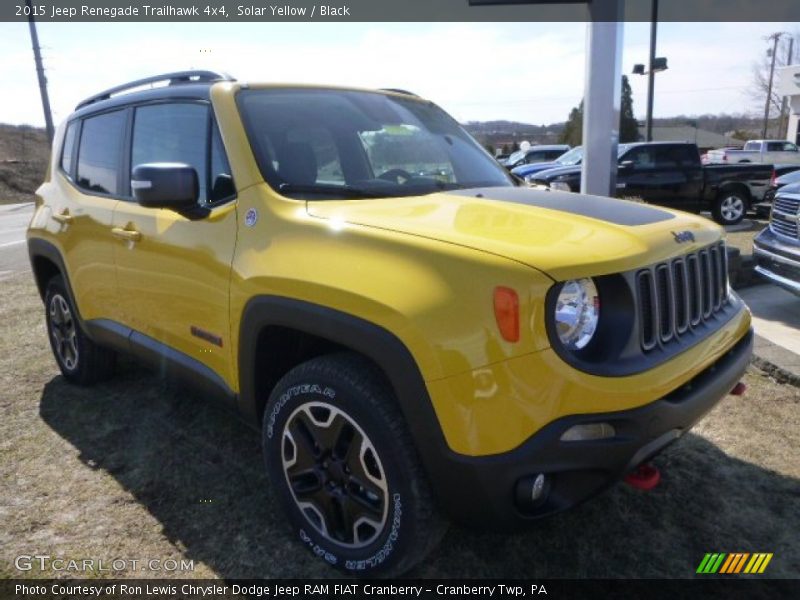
(90,172)
(667,174)
(173,270)
(782,152)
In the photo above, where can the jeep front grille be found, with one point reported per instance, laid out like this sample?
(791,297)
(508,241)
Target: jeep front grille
(785,210)
(677,296)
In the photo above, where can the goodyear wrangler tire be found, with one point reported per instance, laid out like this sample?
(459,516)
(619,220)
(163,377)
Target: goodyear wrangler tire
(339,454)
(80,360)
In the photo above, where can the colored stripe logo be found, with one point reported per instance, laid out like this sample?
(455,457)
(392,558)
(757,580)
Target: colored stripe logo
(734,563)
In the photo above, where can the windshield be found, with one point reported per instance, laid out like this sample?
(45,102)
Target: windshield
(327,143)
(516,156)
(571,157)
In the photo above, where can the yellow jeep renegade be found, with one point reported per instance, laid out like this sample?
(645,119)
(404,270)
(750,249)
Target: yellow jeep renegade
(417,336)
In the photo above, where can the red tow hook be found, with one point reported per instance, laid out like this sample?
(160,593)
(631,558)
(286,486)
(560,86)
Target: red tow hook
(645,477)
(739,389)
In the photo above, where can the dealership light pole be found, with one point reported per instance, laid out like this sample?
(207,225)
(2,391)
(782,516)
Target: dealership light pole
(603,91)
(37,57)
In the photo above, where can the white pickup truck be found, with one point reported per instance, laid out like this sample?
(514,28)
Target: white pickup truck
(773,152)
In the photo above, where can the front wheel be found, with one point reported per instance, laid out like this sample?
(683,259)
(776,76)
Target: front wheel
(729,208)
(338,452)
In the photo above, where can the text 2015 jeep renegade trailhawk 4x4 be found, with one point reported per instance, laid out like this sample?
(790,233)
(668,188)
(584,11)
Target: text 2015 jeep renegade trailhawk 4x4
(416,336)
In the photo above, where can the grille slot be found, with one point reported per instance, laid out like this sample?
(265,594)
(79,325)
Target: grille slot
(646,312)
(680,295)
(783,220)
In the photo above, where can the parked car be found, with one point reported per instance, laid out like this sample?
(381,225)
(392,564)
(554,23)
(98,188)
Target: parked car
(758,151)
(670,174)
(411,349)
(781,175)
(777,248)
(501,158)
(534,154)
(568,159)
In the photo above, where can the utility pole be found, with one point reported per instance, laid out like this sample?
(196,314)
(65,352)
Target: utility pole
(774,37)
(37,57)
(651,76)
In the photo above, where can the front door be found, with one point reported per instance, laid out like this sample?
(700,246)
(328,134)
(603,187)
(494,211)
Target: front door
(173,270)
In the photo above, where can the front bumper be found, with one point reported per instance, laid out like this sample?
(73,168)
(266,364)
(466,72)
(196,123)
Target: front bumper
(482,491)
(777,260)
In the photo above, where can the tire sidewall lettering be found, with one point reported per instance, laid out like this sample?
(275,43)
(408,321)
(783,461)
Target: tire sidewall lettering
(303,388)
(388,546)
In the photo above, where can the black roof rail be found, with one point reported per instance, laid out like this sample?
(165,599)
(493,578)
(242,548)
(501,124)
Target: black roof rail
(176,78)
(399,91)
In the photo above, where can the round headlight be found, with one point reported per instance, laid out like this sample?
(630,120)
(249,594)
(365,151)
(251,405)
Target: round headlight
(577,313)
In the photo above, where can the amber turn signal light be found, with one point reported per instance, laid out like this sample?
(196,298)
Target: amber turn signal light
(506,312)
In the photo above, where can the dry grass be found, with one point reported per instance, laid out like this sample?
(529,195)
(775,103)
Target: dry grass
(136,468)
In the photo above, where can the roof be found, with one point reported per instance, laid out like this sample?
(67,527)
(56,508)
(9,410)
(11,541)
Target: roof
(702,137)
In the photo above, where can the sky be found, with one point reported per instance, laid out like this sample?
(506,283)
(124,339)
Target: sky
(529,72)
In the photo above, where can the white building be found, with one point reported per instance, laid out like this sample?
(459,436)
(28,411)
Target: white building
(789,86)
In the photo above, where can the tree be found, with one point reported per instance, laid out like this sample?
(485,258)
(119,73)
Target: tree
(573,130)
(628,125)
(760,83)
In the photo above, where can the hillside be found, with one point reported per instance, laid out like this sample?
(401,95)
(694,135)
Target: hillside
(24,152)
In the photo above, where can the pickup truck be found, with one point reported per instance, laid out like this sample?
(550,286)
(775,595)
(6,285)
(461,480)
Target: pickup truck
(777,248)
(670,174)
(758,151)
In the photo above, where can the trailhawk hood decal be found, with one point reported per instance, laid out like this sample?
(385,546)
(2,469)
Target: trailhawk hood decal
(565,235)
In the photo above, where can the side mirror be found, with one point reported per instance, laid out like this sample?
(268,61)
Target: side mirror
(625,165)
(165,185)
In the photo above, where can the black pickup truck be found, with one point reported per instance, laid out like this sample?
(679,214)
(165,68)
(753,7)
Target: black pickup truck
(671,174)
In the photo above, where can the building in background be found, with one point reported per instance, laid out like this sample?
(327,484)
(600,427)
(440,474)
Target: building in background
(789,87)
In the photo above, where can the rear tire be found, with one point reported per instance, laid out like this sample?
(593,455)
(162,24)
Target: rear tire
(339,454)
(729,208)
(80,360)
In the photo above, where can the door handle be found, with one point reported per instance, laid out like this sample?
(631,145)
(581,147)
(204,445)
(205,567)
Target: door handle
(63,217)
(126,234)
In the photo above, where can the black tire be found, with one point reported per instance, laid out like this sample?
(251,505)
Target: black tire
(80,360)
(730,207)
(315,416)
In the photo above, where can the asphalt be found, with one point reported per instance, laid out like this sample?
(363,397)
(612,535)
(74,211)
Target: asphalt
(14,219)
(776,319)
(776,313)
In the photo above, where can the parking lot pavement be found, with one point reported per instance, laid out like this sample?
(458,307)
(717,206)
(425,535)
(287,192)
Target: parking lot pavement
(776,315)
(14,219)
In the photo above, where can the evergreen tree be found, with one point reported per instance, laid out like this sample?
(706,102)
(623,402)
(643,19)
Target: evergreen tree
(628,126)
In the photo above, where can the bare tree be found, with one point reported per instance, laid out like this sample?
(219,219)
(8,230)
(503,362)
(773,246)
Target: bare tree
(760,85)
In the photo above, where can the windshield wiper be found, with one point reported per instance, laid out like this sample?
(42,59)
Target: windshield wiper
(342,191)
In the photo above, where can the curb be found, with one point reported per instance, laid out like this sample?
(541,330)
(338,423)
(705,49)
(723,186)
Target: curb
(773,360)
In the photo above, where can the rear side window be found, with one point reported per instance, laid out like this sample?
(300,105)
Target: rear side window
(99,152)
(68,148)
(173,133)
(752,146)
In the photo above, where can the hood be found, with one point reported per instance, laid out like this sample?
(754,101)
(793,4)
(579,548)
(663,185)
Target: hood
(564,235)
(524,170)
(549,174)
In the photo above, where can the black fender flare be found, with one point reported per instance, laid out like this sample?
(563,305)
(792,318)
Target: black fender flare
(39,248)
(376,343)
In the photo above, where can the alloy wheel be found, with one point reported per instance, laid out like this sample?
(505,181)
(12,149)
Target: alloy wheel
(335,475)
(64,332)
(732,208)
